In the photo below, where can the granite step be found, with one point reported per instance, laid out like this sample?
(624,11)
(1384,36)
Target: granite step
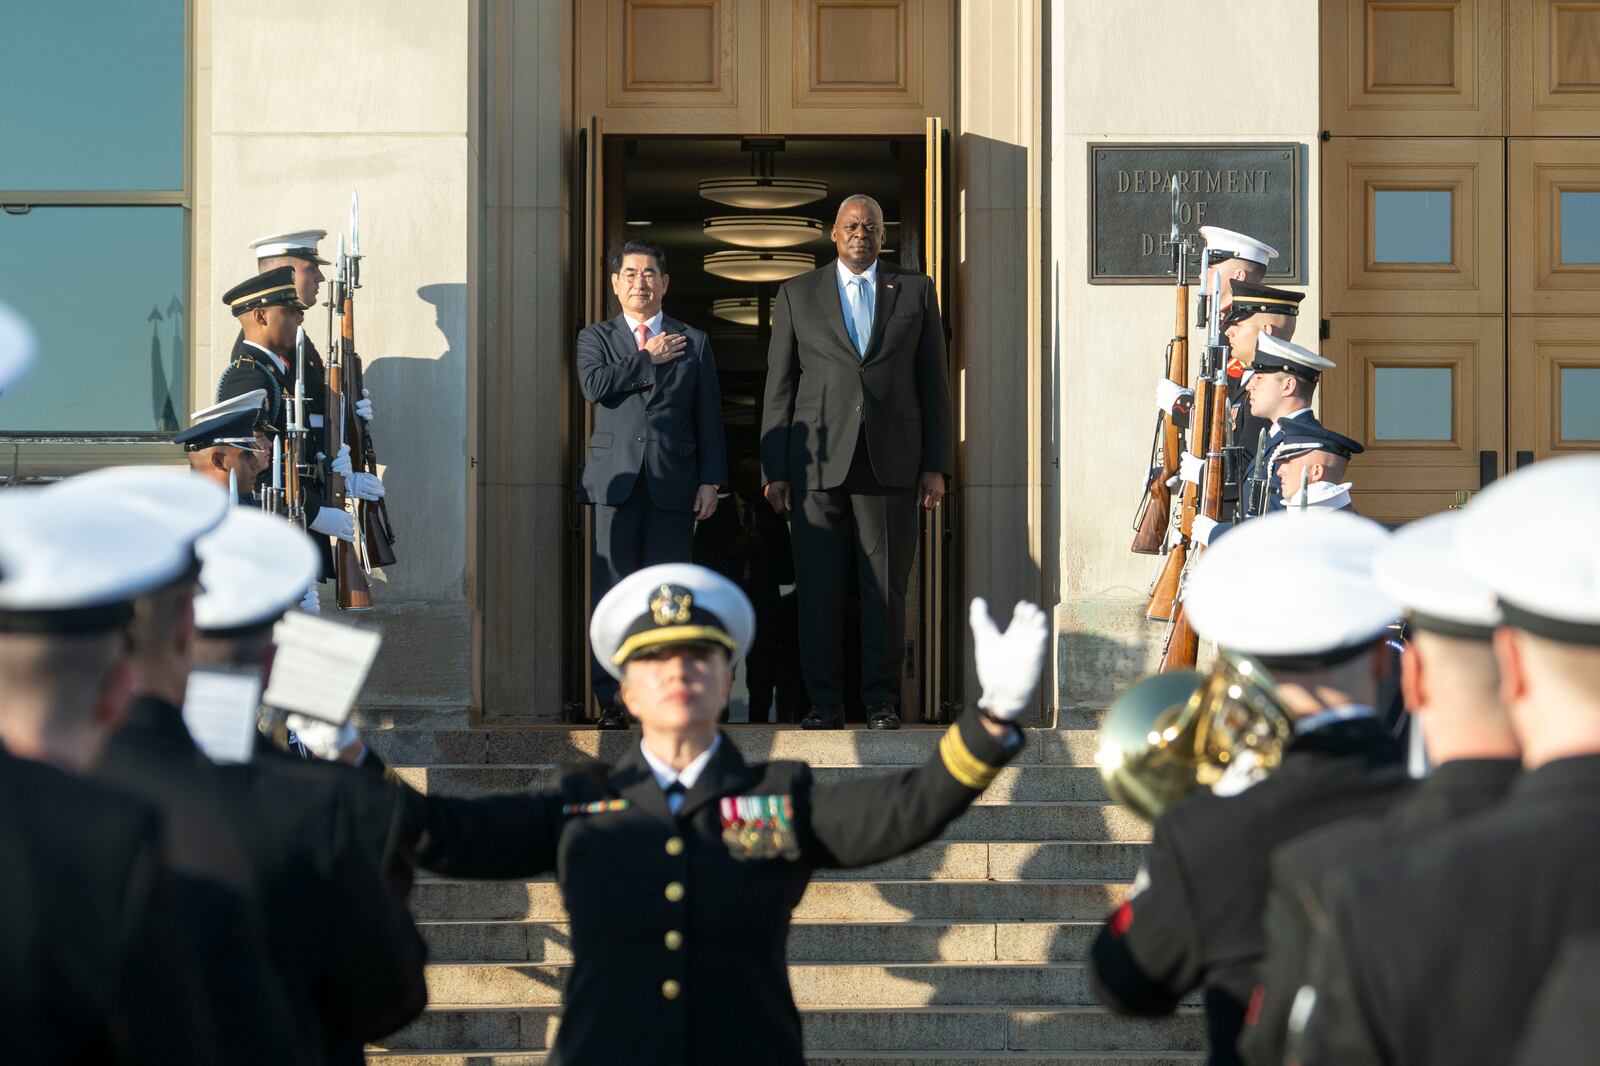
(851,1031)
(924,940)
(827,1058)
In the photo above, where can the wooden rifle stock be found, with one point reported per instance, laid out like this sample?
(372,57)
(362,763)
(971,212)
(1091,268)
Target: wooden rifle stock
(1164,597)
(1151,536)
(1183,644)
(353,590)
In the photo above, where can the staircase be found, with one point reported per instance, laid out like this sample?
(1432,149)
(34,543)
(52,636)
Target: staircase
(967,951)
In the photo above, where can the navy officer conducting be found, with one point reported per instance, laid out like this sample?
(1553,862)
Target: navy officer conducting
(681,864)
(656,455)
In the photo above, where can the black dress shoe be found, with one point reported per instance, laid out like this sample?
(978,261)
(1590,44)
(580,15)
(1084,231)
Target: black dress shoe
(882,716)
(824,718)
(613,716)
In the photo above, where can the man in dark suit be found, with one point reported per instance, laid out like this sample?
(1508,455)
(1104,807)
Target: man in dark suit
(656,456)
(855,432)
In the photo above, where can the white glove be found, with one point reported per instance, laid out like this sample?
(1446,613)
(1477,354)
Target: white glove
(333,522)
(341,462)
(1190,467)
(323,739)
(1008,663)
(364,406)
(364,486)
(1172,397)
(1201,530)
(309,602)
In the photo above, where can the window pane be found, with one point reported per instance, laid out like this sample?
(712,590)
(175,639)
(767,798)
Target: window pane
(104,288)
(1580,226)
(1411,226)
(1580,403)
(91,95)
(1411,403)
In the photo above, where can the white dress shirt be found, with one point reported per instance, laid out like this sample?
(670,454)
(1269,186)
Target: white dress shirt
(871,293)
(652,324)
(666,776)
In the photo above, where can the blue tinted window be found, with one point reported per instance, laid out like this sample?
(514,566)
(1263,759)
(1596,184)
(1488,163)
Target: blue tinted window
(1580,226)
(91,94)
(1411,226)
(105,289)
(1580,403)
(1412,403)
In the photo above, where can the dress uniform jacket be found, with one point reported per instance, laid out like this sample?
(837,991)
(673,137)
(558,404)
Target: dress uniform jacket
(1274,487)
(152,756)
(1194,918)
(1564,1026)
(95,965)
(1300,870)
(680,922)
(1435,956)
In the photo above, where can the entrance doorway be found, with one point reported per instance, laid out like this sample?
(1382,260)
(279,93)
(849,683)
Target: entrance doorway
(649,187)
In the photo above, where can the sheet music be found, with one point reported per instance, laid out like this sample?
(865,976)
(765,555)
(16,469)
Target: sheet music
(219,709)
(320,666)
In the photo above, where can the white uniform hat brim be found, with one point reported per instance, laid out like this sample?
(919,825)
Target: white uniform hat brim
(253,568)
(254,400)
(1288,351)
(1420,566)
(630,598)
(72,551)
(17,347)
(188,505)
(297,244)
(1237,245)
(1529,538)
(1329,600)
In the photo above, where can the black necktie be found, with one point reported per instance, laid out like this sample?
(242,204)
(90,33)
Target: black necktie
(675,793)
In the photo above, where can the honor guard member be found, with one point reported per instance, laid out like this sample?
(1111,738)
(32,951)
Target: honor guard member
(1193,918)
(1435,955)
(253,568)
(682,863)
(1452,689)
(1232,257)
(1303,471)
(95,963)
(1256,310)
(226,447)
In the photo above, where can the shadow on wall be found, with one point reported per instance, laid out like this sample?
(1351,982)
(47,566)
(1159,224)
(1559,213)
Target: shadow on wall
(419,433)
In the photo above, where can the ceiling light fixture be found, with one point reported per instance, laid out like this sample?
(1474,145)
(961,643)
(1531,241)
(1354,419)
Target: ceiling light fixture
(759,266)
(763,193)
(741,310)
(763,231)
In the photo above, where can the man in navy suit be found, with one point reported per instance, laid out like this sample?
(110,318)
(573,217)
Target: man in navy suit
(656,457)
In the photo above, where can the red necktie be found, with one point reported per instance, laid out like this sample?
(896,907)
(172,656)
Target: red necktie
(644,334)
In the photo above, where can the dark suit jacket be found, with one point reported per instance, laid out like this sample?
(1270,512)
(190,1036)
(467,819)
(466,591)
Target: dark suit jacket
(818,386)
(662,421)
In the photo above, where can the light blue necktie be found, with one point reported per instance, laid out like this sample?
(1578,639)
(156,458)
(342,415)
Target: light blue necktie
(675,793)
(860,313)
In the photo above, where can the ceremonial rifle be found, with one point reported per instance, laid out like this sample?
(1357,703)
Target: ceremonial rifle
(1155,510)
(293,452)
(353,591)
(374,531)
(1258,488)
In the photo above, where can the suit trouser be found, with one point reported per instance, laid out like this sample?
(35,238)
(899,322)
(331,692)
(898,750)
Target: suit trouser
(878,524)
(631,536)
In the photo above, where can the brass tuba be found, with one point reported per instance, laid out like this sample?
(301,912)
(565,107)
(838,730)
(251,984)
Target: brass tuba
(1180,731)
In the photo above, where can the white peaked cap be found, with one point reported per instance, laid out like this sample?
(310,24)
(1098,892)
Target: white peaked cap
(17,347)
(185,503)
(253,567)
(1420,567)
(1332,602)
(71,552)
(254,400)
(1530,538)
(302,244)
(1229,244)
(673,603)
(1277,349)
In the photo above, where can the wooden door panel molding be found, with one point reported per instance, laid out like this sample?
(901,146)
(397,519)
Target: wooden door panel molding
(1412,67)
(858,65)
(1553,68)
(1548,277)
(1542,351)
(1402,478)
(670,66)
(1469,279)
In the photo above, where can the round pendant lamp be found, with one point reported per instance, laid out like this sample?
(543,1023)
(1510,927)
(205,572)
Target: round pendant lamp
(763,231)
(763,193)
(759,266)
(741,310)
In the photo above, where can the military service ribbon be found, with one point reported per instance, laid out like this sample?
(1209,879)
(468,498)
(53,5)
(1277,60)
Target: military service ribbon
(759,827)
(597,807)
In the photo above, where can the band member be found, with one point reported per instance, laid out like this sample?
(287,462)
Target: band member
(657,455)
(682,863)
(1406,968)
(1194,917)
(855,433)
(1452,689)
(1563,1026)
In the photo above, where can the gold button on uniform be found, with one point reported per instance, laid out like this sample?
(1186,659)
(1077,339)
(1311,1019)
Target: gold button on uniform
(674,891)
(671,989)
(674,940)
(674,845)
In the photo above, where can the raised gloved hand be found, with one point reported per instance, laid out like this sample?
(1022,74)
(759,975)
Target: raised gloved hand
(1008,663)
(334,522)
(1172,398)
(324,739)
(309,602)
(364,405)
(341,462)
(364,486)
(1201,530)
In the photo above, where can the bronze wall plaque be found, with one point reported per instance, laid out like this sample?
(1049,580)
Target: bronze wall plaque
(1251,188)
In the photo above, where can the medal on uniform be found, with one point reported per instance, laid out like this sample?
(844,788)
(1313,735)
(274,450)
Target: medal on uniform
(759,827)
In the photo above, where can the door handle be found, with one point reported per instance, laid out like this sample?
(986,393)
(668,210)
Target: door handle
(1523,459)
(1488,468)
